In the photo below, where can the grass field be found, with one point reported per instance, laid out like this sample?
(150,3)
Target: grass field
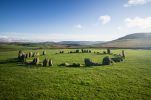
(128,80)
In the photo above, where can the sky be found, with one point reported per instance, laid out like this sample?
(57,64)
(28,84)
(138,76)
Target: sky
(73,20)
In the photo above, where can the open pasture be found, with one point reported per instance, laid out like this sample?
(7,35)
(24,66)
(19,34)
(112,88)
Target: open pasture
(129,80)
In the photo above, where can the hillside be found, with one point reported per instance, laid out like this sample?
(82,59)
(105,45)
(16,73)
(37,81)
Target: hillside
(9,45)
(76,43)
(136,40)
(27,45)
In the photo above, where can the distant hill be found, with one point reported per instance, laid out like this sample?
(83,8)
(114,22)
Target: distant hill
(78,43)
(67,43)
(136,40)
(3,40)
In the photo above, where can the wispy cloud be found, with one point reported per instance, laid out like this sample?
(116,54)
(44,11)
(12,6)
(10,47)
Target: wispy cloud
(78,26)
(119,28)
(3,36)
(136,2)
(105,19)
(138,22)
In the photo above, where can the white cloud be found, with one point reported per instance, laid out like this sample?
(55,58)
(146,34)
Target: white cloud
(119,28)
(136,2)
(138,22)
(3,36)
(79,26)
(105,19)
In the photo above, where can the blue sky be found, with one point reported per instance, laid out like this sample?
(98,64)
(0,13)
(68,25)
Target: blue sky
(60,20)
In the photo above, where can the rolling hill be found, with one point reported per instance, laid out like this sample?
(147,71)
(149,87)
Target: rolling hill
(78,43)
(136,40)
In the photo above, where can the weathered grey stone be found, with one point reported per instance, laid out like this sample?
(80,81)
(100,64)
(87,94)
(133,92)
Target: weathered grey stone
(46,62)
(108,51)
(30,54)
(50,62)
(106,61)
(36,61)
(88,62)
(123,54)
(44,52)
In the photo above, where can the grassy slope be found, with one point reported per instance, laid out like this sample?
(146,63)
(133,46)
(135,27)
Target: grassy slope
(8,47)
(128,43)
(24,46)
(128,80)
(136,40)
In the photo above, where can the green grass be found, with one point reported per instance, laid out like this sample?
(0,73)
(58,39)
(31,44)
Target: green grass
(129,80)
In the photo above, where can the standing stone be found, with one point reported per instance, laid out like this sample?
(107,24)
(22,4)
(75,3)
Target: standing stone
(104,52)
(82,50)
(37,54)
(44,52)
(108,51)
(23,57)
(20,51)
(87,62)
(77,51)
(123,54)
(87,51)
(34,54)
(30,54)
(61,51)
(106,61)
(46,62)
(19,54)
(50,62)
(36,61)
(27,55)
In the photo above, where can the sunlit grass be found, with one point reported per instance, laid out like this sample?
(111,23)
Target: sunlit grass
(129,80)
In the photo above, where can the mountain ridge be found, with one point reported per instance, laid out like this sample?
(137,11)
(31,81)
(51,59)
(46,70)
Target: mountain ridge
(135,40)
